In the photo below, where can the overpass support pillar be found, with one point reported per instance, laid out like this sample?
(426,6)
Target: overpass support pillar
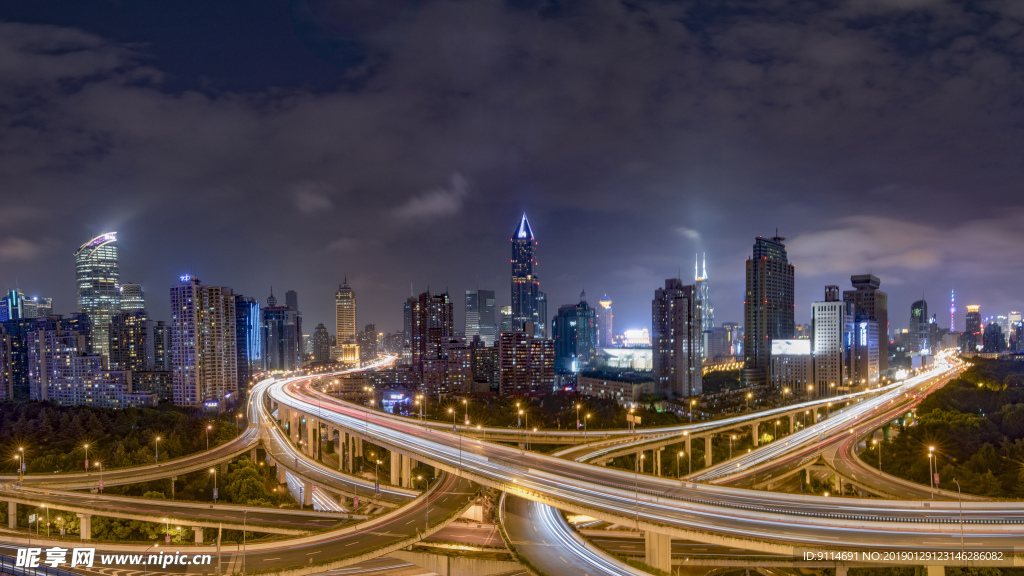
(252,456)
(815,414)
(707,451)
(885,432)
(657,461)
(936,570)
(753,431)
(85,526)
(293,427)
(281,478)
(406,472)
(658,551)
(792,422)
(396,468)
(12,515)
(688,453)
(349,448)
(198,531)
(307,493)
(842,571)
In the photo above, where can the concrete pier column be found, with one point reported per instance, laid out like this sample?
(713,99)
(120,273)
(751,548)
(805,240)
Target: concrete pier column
(658,551)
(885,432)
(842,571)
(807,476)
(307,493)
(936,570)
(753,431)
(396,468)
(12,515)
(406,472)
(792,422)
(689,454)
(707,450)
(252,455)
(281,478)
(359,447)
(198,531)
(657,461)
(349,449)
(815,416)
(293,427)
(85,526)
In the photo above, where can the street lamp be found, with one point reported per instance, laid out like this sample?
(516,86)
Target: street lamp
(810,388)
(693,404)
(731,438)
(878,447)
(208,428)
(156,448)
(86,458)
(960,498)
(214,472)
(784,392)
(465,405)
(749,396)
(426,505)
(577,416)
(238,419)
(585,419)
(636,486)
(47,521)
(776,430)
(452,412)
(803,418)
(931,475)
(24,462)
(100,466)
(678,457)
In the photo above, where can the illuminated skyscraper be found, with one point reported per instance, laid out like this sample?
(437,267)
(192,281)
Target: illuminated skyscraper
(280,335)
(249,338)
(97,281)
(481,319)
(321,344)
(870,303)
(972,329)
(204,352)
(346,349)
(574,330)
(918,335)
(767,306)
(831,339)
(132,298)
(706,309)
(952,311)
(605,324)
(676,323)
(525,285)
(431,317)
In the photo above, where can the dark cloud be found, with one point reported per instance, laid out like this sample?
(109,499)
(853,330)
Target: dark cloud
(879,135)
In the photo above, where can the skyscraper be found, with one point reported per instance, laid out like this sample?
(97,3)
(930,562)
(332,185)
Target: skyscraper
(248,338)
(203,343)
(972,329)
(481,319)
(280,335)
(291,300)
(767,306)
(507,324)
(526,365)
(574,330)
(605,323)
(131,341)
(346,349)
(675,318)
(431,317)
(525,285)
(321,344)
(831,339)
(97,278)
(706,309)
(368,343)
(920,328)
(132,297)
(870,303)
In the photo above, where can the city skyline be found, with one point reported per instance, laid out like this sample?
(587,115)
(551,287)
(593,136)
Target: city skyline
(306,172)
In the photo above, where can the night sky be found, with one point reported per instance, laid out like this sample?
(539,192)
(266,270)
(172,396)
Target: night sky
(289,144)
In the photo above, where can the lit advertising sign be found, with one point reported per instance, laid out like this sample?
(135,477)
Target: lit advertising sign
(791,347)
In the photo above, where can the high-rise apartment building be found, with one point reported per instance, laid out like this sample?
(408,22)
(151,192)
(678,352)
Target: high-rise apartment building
(605,322)
(346,347)
(767,306)
(132,297)
(97,280)
(526,364)
(369,343)
(574,330)
(14,306)
(525,284)
(321,344)
(507,323)
(131,341)
(481,318)
(831,341)
(676,323)
(162,351)
(866,351)
(870,303)
(204,350)
(248,339)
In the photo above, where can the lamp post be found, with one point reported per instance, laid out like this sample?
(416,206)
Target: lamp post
(156,449)
(465,406)
(452,412)
(776,430)
(693,406)
(47,521)
(931,475)
(636,486)
(577,416)
(86,457)
(426,505)
(238,419)
(878,447)
(828,409)
(784,392)
(24,462)
(689,458)
(731,438)
(214,472)
(960,498)
(749,396)
(100,466)
(208,428)
(678,457)
(810,388)
(585,419)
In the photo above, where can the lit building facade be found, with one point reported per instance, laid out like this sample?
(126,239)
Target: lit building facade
(525,284)
(248,339)
(321,344)
(97,282)
(972,329)
(204,350)
(132,297)
(870,303)
(767,306)
(346,347)
(605,322)
(831,341)
(280,337)
(574,330)
(481,317)
(526,364)
(677,336)
(431,324)
(792,364)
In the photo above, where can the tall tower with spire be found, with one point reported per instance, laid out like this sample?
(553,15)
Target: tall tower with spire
(707,311)
(346,349)
(952,310)
(526,294)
